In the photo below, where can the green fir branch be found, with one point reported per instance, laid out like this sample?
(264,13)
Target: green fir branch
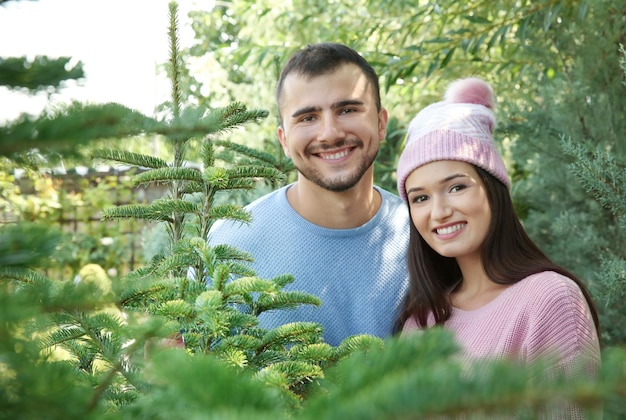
(284,300)
(268,357)
(239,184)
(236,114)
(225,252)
(43,72)
(129,158)
(193,188)
(239,269)
(219,276)
(294,372)
(283,280)
(62,335)
(175,61)
(176,309)
(175,264)
(161,209)
(257,155)
(207,154)
(168,205)
(358,343)
(240,320)
(232,356)
(74,125)
(245,285)
(167,176)
(231,212)
(104,331)
(215,177)
(134,295)
(200,247)
(240,341)
(26,244)
(612,280)
(319,353)
(294,332)
(25,276)
(136,211)
(600,173)
(250,171)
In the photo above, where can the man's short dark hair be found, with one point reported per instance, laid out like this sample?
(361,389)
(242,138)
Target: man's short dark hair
(317,59)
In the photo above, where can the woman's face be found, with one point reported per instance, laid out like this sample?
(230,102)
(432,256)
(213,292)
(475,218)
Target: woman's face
(449,208)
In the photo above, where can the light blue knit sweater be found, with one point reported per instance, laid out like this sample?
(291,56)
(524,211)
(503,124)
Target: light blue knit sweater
(359,274)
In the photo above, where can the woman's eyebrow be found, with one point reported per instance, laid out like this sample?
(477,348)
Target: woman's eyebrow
(443,181)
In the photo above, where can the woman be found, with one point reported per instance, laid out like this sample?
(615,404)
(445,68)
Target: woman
(473,268)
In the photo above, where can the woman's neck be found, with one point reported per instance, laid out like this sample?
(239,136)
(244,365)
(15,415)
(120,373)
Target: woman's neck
(476,289)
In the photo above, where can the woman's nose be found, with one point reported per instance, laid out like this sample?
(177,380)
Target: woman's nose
(440,209)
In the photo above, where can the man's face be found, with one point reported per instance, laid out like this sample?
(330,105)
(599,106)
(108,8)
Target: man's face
(331,128)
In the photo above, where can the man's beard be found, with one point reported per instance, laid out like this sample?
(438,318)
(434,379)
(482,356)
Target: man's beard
(342,183)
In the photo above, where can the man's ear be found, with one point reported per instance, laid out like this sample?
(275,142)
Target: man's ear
(383,118)
(283,140)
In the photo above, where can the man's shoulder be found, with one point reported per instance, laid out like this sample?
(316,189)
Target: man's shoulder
(390,197)
(392,203)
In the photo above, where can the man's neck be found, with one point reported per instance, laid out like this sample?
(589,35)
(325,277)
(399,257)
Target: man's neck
(335,210)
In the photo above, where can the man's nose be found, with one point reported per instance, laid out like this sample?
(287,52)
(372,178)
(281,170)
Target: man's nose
(331,129)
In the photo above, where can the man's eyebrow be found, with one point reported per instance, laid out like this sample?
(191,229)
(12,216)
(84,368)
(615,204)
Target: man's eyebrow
(305,110)
(347,102)
(336,105)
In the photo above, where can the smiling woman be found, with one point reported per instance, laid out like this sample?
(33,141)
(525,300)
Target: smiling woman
(120,43)
(449,209)
(473,269)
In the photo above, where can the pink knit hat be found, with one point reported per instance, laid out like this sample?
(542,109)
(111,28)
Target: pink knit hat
(459,128)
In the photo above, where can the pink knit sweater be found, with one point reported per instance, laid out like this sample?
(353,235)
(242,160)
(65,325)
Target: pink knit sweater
(543,315)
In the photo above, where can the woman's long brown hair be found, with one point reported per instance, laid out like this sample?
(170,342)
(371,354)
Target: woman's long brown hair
(509,255)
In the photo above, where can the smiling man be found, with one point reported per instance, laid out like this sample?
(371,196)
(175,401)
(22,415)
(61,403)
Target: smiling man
(342,238)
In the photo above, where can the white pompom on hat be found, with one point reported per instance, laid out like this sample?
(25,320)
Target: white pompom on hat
(458,128)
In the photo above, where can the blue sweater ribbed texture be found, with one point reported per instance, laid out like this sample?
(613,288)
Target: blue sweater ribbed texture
(359,274)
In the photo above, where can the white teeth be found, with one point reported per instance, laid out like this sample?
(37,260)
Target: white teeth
(337,155)
(450,229)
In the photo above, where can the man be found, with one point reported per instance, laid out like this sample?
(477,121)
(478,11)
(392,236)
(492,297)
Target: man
(342,238)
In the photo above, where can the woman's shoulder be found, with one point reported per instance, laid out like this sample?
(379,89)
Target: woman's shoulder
(550,284)
(553,296)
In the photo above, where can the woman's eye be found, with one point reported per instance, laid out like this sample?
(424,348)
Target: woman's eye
(419,198)
(456,188)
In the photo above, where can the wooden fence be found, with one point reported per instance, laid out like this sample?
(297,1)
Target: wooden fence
(74,203)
